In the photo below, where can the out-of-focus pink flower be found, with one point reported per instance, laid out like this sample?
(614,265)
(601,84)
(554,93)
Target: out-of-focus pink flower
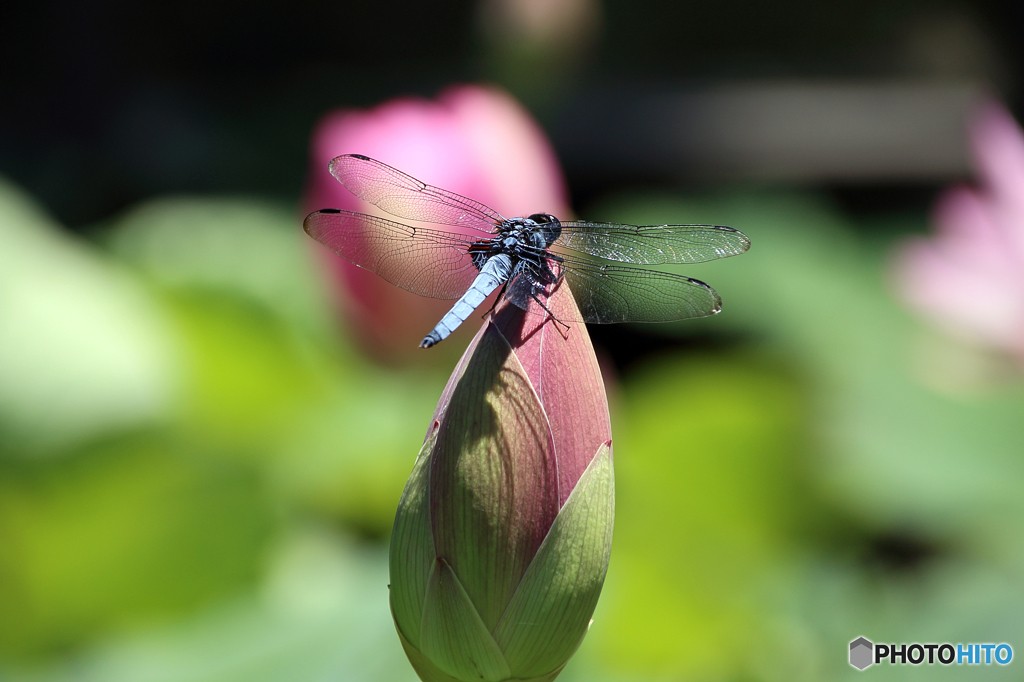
(478,142)
(502,536)
(969,277)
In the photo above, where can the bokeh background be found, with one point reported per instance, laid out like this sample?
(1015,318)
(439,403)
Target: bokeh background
(205,424)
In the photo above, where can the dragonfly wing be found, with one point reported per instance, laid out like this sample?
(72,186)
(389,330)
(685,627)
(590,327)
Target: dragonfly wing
(432,263)
(520,291)
(618,293)
(404,196)
(652,244)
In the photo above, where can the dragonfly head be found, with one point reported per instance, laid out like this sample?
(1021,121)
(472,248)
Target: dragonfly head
(550,228)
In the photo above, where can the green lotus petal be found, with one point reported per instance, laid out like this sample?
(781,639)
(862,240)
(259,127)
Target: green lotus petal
(543,678)
(412,548)
(453,636)
(549,615)
(425,670)
(428,672)
(493,477)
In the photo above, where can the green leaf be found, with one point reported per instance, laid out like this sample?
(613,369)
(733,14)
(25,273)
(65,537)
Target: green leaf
(84,348)
(412,548)
(453,636)
(244,247)
(550,612)
(318,616)
(133,529)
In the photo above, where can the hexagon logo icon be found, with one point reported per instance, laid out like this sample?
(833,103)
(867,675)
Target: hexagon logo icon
(860,653)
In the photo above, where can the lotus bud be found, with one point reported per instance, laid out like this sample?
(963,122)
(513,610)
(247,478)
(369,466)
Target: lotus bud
(503,533)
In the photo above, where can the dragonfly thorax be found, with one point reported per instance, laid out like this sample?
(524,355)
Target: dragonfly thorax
(538,231)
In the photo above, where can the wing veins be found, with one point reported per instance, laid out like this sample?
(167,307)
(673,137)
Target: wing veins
(652,244)
(406,197)
(428,262)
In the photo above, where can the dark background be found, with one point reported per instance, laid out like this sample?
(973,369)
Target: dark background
(107,103)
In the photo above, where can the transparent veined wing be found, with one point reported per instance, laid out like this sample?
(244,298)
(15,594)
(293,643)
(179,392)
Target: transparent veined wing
(652,244)
(432,263)
(607,294)
(406,197)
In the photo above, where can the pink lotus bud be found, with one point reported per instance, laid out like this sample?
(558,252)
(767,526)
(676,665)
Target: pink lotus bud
(502,536)
(478,142)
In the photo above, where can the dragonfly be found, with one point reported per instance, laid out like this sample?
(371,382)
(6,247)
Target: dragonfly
(525,256)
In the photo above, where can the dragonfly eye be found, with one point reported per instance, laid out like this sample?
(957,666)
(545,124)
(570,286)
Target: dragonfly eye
(549,226)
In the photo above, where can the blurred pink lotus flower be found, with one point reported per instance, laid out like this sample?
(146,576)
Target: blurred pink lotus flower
(969,277)
(503,534)
(476,141)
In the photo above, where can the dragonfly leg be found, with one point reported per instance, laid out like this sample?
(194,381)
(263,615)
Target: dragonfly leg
(558,323)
